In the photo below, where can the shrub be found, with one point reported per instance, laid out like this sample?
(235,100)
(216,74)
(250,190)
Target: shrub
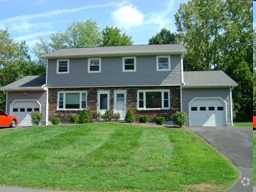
(96,115)
(116,116)
(84,117)
(36,117)
(179,118)
(107,116)
(74,118)
(129,117)
(144,119)
(160,120)
(55,120)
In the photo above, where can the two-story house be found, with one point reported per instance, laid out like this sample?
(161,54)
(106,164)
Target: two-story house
(148,79)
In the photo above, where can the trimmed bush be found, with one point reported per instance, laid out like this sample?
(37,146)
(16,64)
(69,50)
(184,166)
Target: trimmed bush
(96,115)
(116,116)
(129,117)
(36,117)
(84,117)
(107,116)
(160,120)
(74,118)
(55,120)
(179,118)
(144,119)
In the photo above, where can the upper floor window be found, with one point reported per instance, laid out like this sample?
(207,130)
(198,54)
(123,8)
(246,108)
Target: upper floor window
(129,64)
(63,66)
(71,100)
(163,63)
(94,65)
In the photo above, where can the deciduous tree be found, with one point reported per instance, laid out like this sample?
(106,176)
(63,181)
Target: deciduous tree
(163,37)
(218,36)
(112,36)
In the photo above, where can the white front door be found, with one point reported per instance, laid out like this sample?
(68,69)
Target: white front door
(120,103)
(103,102)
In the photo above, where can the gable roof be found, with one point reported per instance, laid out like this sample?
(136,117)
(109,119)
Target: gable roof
(28,83)
(133,50)
(207,79)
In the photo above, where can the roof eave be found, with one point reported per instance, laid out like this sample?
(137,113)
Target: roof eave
(113,54)
(22,89)
(209,86)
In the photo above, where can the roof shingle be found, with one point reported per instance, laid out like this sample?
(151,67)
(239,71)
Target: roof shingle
(117,51)
(27,83)
(208,79)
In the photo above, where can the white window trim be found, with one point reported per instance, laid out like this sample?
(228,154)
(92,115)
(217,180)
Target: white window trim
(162,99)
(57,69)
(169,63)
(64,100)
(89,64)
(134,58)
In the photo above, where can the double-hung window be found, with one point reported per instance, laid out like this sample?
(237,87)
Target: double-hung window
(94,65)
(129,64)
(62,66)
(153,99)
(72,100)
(163,63)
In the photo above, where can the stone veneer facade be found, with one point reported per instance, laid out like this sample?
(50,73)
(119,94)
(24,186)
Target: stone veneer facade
(131,102)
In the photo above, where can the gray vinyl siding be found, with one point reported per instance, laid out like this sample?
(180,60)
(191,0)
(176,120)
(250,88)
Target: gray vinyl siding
(39,96)
(112,75)
(189,93)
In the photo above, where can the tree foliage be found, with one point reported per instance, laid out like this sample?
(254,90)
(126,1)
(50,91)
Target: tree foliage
(163,37)
(81,34)
(218,36)
(112,36)
(17,63)
(42,47)
(7,48)
(78,34)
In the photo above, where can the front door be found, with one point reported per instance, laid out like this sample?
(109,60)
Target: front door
(120,103)
(103,102)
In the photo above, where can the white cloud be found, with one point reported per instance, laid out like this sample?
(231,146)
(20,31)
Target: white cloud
(161,19)
(30,26)
(128,16)
(53,13)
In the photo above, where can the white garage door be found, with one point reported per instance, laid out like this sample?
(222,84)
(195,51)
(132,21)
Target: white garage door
(207,112)
(23,110)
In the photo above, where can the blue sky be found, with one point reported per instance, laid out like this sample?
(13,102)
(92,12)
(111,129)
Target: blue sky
(30,20)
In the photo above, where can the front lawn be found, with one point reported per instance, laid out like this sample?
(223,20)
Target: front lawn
(243,124)
(112,157)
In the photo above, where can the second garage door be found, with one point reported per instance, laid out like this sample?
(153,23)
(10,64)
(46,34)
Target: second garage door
(207,112)
(23,110)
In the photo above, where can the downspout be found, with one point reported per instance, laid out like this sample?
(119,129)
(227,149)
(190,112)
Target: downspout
(231,106)
(182,81)
(47,95)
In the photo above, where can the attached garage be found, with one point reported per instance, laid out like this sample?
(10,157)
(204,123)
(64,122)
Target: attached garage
(207,112)
(207,98)
(25,96)
(22,109)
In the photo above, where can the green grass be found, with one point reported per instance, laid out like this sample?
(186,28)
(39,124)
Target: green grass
(243,124)
(254,158)
(112,157)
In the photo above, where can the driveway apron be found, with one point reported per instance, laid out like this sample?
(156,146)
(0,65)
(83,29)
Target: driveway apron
(236,145)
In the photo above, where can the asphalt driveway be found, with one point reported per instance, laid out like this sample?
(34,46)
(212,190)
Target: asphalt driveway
(236,145)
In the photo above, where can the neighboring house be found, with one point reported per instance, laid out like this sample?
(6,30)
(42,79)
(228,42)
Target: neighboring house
(148,79)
